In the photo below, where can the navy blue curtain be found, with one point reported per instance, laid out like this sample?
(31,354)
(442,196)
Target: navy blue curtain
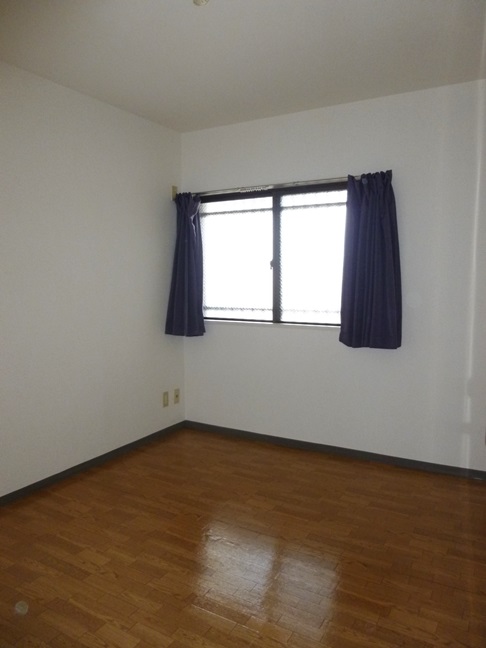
(185,310)
(371,306)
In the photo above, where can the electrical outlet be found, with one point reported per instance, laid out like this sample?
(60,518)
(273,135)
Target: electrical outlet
(177,395)
(165,399)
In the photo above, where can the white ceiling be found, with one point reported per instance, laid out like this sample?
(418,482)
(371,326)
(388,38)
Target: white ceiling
(190,67)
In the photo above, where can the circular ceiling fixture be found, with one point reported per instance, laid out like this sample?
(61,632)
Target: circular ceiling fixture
(200,3)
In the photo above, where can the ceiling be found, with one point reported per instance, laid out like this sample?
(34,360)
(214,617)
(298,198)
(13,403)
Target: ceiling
(189,67)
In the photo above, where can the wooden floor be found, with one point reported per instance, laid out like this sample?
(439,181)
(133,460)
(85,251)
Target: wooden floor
(202,541)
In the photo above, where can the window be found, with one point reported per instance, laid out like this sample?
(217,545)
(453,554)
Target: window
(274,255)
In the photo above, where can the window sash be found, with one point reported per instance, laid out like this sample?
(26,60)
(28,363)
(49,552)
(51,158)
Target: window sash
(283,203)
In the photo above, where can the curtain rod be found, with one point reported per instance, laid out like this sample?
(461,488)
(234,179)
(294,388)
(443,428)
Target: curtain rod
(284,185)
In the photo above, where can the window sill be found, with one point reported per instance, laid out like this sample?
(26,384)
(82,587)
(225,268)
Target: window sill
(331,327)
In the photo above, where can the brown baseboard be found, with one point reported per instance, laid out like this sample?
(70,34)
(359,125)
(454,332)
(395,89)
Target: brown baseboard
(85,465)
(344,452)
(254,436)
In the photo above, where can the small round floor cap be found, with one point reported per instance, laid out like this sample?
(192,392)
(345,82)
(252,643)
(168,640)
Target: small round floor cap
(22,607)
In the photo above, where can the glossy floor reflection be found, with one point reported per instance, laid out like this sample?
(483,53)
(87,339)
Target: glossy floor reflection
(210,542)
(268,579)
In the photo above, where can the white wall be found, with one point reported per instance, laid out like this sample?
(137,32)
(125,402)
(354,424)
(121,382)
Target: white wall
(86,241)
(424,401)
(86,236)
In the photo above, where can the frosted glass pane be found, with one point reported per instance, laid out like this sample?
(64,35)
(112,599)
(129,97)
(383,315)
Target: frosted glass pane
(237,254)
(312,246)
